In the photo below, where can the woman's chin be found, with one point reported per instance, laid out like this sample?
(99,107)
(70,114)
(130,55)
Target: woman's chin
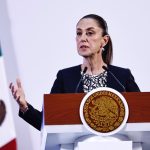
(85,54)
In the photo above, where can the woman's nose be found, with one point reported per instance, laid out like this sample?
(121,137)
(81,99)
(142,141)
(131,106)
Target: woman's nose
(83,37)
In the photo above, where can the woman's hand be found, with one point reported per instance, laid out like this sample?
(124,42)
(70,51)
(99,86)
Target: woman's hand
(18,94)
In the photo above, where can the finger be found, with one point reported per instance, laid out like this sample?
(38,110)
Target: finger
(10,85)
(12,89)
(18,83)
(15,95)
(18,100)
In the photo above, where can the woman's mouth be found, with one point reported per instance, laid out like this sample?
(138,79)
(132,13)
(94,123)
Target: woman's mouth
(83,46)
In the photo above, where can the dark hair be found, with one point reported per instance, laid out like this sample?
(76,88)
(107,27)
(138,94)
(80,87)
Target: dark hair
(108,52)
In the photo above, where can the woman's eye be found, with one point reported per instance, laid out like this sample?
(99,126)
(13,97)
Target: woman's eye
(89,33)
(79,33)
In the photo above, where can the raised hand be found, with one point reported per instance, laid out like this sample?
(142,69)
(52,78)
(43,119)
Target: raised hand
(18,94)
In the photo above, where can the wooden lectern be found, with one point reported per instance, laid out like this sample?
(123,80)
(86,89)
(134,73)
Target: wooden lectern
(62,124)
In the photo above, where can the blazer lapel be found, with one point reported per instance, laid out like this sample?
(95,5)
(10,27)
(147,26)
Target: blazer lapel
(111,81)
(77,79)
(80,89)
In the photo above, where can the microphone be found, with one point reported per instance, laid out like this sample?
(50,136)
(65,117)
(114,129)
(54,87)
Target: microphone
(83,72)
(120,84)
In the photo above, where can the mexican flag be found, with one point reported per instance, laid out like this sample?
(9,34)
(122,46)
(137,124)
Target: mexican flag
(7,130)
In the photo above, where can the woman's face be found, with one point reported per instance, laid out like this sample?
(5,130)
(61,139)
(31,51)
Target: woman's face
(89,37)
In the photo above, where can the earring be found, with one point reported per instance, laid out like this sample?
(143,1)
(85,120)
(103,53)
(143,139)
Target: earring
(103,49)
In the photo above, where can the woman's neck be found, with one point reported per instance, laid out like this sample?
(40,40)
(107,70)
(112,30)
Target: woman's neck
(94,65)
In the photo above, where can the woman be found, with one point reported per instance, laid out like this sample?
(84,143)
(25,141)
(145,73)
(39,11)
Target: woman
(95,46)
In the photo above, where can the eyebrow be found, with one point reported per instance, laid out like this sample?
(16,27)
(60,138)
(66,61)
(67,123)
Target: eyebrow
(90,28)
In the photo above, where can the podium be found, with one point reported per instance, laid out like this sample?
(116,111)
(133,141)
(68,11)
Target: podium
(62,124)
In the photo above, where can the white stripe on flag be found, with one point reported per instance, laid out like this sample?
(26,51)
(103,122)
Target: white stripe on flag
(7,130)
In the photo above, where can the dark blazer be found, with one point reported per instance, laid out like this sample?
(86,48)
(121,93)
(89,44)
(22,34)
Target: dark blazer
(67,81)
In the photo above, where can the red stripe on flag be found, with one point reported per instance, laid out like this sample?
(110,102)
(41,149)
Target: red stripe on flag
(12,145)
